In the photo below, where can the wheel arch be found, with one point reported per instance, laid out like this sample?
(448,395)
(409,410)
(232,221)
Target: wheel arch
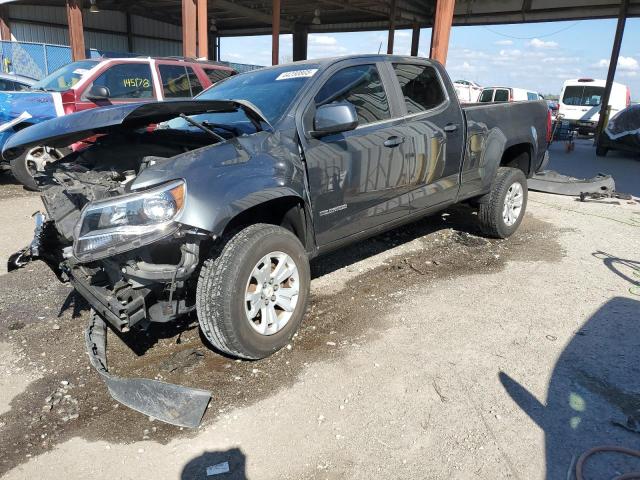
(518,156)
(287,211)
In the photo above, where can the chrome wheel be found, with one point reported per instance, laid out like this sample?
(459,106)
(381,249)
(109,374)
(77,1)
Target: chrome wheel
(513,204)
(272,292)
(38,157)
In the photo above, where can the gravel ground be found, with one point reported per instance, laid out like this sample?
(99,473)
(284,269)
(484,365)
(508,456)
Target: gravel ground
(427,352)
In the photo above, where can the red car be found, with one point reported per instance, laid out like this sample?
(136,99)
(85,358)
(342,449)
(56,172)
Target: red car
(94,83)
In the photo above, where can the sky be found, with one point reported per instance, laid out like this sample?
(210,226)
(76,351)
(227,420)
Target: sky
(536,56)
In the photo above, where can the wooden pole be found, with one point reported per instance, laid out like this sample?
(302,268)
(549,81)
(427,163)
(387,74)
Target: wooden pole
(76,30)
(189,13)
(392,28)
(203,29)
(5,29)
(613,64)
(275,35)
(442,21)
(415,40)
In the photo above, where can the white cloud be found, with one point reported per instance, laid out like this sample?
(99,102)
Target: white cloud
(628,64)
(510,52)
(504,42)
(561,60)
(322,40)
(537,43)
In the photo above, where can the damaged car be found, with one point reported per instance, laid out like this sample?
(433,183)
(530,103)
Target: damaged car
(216,205)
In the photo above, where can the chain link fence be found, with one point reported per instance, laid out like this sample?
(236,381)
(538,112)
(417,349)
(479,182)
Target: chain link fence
(37,60)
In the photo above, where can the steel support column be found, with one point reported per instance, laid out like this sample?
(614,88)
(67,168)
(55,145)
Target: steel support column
(203,29)
(392,28)
(5,29)
(300,37)
(275,33)
(189,28)
(613,64)
(442,21)
(129,33)
(415,40)
(76,30)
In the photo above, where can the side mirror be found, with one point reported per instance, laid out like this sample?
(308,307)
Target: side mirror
(98,93)
(334,118)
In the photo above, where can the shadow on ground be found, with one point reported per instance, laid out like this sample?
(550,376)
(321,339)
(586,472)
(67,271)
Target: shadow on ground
(209,463)
(593,396)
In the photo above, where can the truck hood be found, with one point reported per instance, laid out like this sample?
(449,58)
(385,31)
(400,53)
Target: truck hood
(40,106)
(66,130)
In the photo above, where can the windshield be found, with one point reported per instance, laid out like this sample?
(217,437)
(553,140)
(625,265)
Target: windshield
(582,96)
(271,90)
(65,77)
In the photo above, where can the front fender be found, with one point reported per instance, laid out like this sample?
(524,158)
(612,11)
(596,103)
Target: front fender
(225,179)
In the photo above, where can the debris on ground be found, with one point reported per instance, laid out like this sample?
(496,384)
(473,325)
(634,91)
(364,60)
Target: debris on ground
(218,469)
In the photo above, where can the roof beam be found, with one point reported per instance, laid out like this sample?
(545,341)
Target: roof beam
(251,13)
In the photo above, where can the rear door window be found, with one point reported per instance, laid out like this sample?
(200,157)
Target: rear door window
(502,95)
(127,81)
(486,96)
(420,86)
(194,82)
(175,82)
(361,86)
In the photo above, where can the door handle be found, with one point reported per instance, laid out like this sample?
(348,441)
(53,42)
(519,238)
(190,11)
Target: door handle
(393,141)
(450,127)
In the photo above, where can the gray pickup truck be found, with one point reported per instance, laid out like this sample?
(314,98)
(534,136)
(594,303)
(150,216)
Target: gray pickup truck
(216,205)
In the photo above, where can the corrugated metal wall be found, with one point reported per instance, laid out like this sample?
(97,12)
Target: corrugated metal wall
(43,24)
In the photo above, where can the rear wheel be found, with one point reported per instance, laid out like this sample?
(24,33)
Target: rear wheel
(601,151)
(252,295)
(501,210)
(33,160)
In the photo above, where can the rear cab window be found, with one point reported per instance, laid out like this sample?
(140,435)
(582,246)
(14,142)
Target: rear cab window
(420,87)
(486,96)
(126,81)
(502,95)
(361,86)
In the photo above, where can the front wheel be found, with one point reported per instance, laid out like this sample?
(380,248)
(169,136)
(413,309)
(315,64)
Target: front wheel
(501,210)
(33,160)
(252,295)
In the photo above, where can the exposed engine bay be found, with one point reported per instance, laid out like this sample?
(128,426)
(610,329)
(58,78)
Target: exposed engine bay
(150,283)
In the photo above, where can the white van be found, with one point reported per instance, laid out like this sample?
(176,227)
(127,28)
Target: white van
(507,94)
(580,102)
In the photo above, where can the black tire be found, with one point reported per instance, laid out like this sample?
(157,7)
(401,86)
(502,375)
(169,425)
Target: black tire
(601,151)
(23,173)
(490,211)
(220,294)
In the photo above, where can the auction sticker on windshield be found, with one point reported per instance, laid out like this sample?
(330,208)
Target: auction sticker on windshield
(297,74)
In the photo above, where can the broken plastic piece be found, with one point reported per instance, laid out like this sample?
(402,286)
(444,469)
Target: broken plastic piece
(174,404)
(550,181)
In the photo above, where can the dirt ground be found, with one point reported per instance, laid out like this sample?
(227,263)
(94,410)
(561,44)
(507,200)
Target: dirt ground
(428,352)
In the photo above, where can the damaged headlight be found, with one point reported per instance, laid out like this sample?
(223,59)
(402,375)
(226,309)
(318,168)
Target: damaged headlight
(112,226)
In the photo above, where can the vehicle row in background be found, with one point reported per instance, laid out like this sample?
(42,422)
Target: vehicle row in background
(507,94)
(467,90)
(92,83)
